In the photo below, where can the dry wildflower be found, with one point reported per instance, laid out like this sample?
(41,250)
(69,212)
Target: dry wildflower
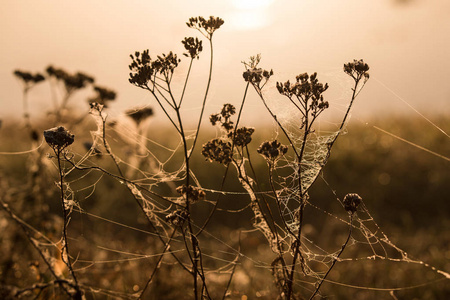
(224,117)
(256,75)
(58,138)
(306,95)
(242,137)
(351,202)
(192,193)
(208,25)
(29,78)
(357,69)
(218,151)
(144,69)
(272,150)
(103,96)
(71,82)
(139,114)
(193,46)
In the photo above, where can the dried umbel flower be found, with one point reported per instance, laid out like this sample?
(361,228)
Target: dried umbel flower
(139,114)
(144,69)
(104,95)
(58,138)
(29,78)
(193,46)
(217,150)
(77,81)
(224,117)
(256,75)
(210,25)
(177,217)
(305,94)
(242,137)
(71,82)
(351,202)
(253,74)
(192,193)
(272,150)
(357,69)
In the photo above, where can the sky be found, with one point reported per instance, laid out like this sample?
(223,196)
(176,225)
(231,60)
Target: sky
(405,43)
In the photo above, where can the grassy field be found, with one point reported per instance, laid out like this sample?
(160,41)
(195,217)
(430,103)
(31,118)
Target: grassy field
(115,251)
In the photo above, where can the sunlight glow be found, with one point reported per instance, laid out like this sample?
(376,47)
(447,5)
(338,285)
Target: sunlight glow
(250,14)
(248,20)
(251,4)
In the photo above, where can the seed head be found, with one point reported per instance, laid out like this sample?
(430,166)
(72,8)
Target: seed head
(58,138)
(351,202)
(357,69)
(193,46)
(242,137)
(140,114)
(272,150)
(218,151)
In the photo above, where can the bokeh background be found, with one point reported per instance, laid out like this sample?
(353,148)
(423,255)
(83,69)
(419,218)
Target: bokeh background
(395,154)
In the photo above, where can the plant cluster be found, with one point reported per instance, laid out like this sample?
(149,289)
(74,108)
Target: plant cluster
(172,204)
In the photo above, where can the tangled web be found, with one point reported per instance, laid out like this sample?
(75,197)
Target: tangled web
(113,244)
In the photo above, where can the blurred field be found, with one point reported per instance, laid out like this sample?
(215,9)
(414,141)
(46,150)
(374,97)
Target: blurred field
(404,188)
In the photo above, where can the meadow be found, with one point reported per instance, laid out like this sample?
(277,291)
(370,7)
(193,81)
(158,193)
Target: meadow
(114,209)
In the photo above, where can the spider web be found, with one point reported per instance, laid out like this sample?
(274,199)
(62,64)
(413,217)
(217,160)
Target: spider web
(149,169)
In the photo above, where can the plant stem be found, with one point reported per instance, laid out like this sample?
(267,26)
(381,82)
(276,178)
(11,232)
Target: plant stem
(65,256)
(336,258)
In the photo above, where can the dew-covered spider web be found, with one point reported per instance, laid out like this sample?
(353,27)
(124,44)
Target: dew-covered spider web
(125,182)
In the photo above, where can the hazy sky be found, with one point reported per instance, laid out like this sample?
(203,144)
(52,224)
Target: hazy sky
(406,44)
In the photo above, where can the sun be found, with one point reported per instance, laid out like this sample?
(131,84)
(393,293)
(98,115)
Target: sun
(251,4)
(250,14)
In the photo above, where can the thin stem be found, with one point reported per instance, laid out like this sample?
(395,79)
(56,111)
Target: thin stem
(65,256)
(208,219)
(336,258)
(205,97)
(158,263)
(275,118)
(185,82)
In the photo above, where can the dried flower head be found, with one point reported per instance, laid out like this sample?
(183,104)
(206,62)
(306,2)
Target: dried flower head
(144,69)
(217,150)
(253,74)
(256,75)
(58,138)
(357,69)
(29,78)
(224,117)
(242,137)
(351,202)
(208,25)
(307,90)
(139,114)
(272,150)
(193,46)
(103,96)
(192,193)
